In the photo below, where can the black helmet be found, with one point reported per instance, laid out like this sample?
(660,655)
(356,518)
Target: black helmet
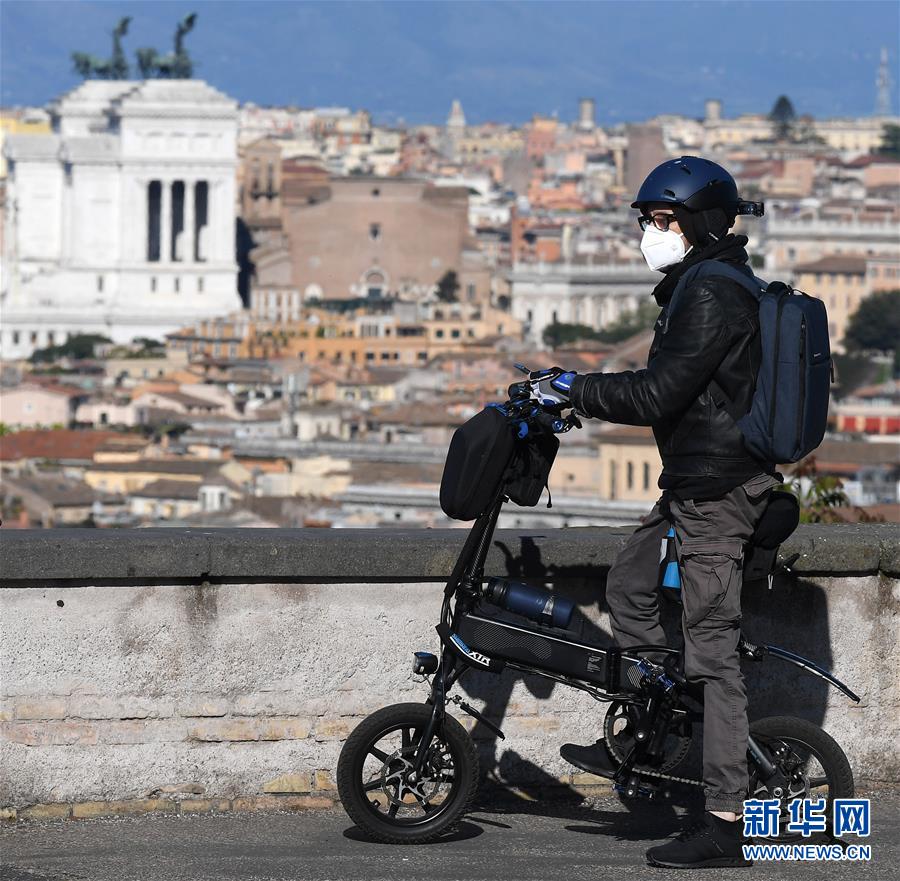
(695,184)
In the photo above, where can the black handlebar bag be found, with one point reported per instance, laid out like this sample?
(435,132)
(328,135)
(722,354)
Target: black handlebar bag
(486,457)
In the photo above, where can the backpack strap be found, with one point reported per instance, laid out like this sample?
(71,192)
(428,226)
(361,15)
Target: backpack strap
(746,279)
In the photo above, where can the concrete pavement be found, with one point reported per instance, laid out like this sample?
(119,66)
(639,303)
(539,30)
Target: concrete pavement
(599,840)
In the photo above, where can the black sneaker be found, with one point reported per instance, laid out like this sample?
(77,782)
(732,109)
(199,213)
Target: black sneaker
(709,843)
(594,759)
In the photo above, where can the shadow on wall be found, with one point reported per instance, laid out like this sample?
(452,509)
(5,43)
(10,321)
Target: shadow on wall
(793,615)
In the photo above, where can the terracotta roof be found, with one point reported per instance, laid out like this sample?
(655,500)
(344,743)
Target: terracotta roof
(39,384)
(852,264)
(872,159)
(62,443)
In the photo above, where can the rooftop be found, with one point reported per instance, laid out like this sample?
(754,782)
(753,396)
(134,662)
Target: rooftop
(851,264)
(61,443)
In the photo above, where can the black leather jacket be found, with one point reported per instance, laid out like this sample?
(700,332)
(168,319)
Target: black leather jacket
(708,345)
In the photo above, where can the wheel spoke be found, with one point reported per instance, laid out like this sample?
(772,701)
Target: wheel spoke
(818,781)
(377,783)
(381,756)
(392,810)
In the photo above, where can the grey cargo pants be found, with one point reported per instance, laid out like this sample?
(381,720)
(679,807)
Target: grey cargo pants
(710,538)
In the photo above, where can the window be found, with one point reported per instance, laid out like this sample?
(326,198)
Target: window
(439,333)
(629,475)
(33,336)
(646,475)
(152,284)
(200,285)
(613,475)
(470,291)
(374,231)
(376,192)
(99,284)
(51,338)
(177,284)
(15,338)
(455,333)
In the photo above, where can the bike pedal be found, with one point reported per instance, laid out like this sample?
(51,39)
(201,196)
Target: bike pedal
(646,792)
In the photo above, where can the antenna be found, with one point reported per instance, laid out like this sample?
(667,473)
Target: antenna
(883,84)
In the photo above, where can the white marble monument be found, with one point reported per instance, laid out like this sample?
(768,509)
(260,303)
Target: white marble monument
(121,222)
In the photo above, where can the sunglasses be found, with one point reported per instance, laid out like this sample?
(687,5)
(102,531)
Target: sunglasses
(660,221)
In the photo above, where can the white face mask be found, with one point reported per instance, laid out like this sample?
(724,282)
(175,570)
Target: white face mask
(662,249)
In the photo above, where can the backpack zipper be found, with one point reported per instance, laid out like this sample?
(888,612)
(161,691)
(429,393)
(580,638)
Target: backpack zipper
(781,301)
(802,404)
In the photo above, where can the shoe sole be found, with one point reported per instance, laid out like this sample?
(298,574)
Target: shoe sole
(584,766)
(718,863)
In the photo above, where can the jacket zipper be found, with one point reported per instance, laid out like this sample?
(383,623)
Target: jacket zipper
(781,302)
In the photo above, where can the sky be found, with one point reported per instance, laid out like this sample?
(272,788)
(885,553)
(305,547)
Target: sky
(505,61)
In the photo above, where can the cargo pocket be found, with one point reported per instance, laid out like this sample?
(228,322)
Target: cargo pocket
(711,585)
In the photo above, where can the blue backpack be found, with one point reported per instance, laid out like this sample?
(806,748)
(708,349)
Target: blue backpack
(789,411)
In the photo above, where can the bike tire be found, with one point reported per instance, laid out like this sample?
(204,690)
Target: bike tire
(353,755)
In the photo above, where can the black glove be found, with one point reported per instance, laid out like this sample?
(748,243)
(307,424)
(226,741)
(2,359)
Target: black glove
(551,388)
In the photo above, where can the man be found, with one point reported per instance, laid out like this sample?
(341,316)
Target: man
(705,354)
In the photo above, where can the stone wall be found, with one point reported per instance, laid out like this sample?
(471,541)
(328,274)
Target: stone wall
(222,669)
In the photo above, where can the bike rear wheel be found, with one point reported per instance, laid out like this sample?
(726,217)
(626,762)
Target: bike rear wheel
(383,795)
(812,761)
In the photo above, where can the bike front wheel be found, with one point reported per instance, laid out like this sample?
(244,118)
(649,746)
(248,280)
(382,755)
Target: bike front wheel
(378,785)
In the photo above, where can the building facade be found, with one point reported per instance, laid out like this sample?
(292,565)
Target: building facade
(570,293)
(366,237)
(122,221)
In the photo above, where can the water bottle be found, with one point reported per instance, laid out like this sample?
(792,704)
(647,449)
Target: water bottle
(669,576)
(535,603)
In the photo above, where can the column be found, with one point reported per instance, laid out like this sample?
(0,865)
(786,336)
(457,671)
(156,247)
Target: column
(212,227)
(141,245)
(187,234)
(165,222)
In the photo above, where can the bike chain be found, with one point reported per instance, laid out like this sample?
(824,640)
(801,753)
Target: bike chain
(649,771)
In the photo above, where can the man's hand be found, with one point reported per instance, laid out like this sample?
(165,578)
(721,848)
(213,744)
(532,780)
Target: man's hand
(551,387)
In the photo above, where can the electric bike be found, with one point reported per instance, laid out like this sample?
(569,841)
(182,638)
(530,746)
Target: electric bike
(409,772)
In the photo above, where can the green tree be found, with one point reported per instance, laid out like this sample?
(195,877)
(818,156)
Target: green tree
(876,324)
(447,287)
(890,141)
(559,334)
(783,117)
(821,496)
(79,346)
